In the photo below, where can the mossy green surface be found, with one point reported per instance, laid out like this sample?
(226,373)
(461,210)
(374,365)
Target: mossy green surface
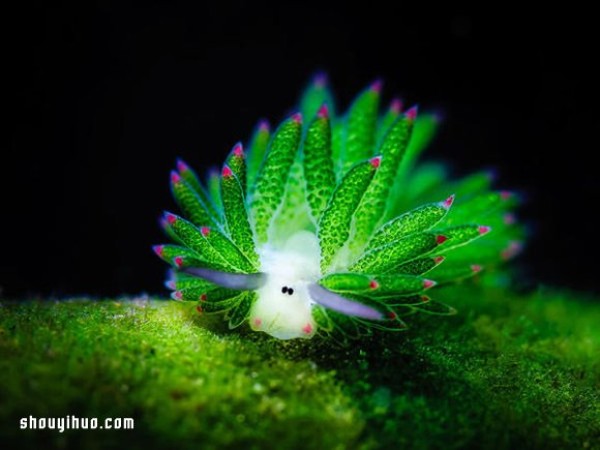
(508,371)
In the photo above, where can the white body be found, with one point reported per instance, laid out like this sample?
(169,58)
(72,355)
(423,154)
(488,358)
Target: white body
(295,266)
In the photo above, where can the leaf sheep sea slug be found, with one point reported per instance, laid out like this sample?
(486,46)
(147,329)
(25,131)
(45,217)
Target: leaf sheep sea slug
(329,223)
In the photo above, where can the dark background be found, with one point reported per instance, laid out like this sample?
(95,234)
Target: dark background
(104,97)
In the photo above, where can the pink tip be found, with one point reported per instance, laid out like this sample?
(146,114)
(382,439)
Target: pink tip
(263,125)
(178,260)
(377,85)
(506,195)
(373,284)
(205,231)
(512,250)
(427,284)
(448,202)
(181,166)
(476,268)
(170,284)
(438,259)
(375,162)
(175,177)
(177,295)
(203,298)
(226,172)
(238,150)
(171,218)
(411,114)
(509,219)
(323,111)
(158,249)
(257,322)
(297,117)
(307,328)
(484,229)
(396,106)
(320,80)
(440,239)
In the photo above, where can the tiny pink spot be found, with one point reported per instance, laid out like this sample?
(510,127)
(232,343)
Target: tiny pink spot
(158,249)
(377,85)
(484,229)
(203,298)
(171,218)
(411,114)
(509,219)
(181,166)
(506,195)
(171,285)
(396,106)
(226,172)
(428,284)
(238,150)
(320,80)
(440,239)
(373,284)
(178,260)
(323,111)
(512,250)
(476,268)
(297,118)
(205,231)
(263,125)
(307,328)
(438,259)
(448,202)
(177,295)
(375,162)
(175,177)
(257,322)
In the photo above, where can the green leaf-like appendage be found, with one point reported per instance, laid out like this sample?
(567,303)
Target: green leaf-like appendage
(236,215)
(318,165)
(315,96)
(334,226)
(306,231)
(190,202)
(359,131)
(258,149)
(390,256)
(271,180)
(373,205)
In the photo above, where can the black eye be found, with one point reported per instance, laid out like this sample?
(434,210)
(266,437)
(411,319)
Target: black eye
(290,291)
(284,289)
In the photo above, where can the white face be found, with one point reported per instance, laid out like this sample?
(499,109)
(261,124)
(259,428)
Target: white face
(283,308)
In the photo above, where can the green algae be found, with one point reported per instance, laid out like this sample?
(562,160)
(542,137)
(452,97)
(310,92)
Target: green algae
(509,370)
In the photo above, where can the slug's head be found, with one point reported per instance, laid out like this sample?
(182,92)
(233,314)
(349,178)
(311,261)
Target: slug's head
(283,308)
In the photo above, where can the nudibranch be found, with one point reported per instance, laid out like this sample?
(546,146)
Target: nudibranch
(329,224)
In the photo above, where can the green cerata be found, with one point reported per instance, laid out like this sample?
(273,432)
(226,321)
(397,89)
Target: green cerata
(329,224)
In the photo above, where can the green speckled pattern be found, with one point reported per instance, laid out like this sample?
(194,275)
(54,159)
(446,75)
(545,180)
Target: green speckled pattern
(271,180)
(236,216)
(334,226)
(318,166)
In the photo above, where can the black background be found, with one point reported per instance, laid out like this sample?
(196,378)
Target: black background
(102,98)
